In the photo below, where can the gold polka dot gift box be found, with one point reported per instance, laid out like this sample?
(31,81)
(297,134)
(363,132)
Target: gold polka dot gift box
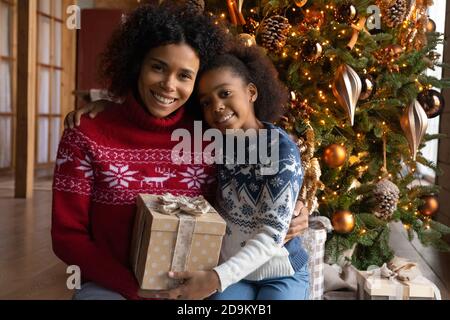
(173,233)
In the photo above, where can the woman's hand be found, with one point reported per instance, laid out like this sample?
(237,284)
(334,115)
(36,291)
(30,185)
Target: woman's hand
(73,117)
(299,223)
(197,285)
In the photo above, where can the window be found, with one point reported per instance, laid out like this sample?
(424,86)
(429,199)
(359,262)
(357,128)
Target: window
(430,151)
(7,77)
(7,82)
(49,76)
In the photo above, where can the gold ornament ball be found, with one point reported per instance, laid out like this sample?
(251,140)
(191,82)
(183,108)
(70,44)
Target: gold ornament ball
(430,207)
(300,3)
(246,39)
(431,26)
(343,221)
(334,155)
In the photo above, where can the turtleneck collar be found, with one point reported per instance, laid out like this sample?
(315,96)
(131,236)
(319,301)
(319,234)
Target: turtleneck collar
(144,119)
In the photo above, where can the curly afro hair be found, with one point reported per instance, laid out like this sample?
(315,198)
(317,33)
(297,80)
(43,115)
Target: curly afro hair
(253,66)
(151,26)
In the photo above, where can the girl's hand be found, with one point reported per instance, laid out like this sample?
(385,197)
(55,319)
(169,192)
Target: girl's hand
(299,222)
(197,285)
(73,117)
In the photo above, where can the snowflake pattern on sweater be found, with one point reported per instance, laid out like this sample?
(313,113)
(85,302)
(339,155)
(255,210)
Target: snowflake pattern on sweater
(120,174)
(258,210)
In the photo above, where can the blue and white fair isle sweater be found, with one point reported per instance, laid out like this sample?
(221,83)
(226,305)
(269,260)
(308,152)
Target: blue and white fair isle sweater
(258,210)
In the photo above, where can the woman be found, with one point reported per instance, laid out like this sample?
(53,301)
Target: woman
(151,63)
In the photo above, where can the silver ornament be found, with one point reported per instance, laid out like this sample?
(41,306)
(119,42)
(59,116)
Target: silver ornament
(346,88)
(414,122)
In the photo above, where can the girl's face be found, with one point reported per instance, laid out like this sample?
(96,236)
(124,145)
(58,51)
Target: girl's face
(167,78)
(227,101)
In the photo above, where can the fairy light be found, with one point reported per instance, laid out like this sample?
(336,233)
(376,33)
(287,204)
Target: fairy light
(222,15)
(363,231)
(309,78)
(407,226)
(293,34)
(322,122)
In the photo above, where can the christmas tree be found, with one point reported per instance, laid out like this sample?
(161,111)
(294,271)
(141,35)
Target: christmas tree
(360,102)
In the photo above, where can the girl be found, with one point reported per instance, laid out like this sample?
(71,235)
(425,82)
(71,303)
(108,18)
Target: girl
(240,90)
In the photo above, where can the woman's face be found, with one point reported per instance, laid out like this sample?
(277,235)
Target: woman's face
(167,78)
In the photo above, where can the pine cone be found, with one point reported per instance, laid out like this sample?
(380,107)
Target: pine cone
(274,33)
(386,196)
(393,12)
(195,6)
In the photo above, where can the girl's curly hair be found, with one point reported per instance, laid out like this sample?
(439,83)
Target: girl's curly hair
(151,26)
(253,66)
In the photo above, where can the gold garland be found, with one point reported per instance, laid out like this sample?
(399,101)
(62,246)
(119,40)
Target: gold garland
(311,169)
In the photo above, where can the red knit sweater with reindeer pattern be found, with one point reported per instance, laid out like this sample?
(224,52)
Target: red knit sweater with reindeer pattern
(101,167)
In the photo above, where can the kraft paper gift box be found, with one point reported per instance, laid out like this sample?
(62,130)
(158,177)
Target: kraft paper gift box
(181,242)
(379,288)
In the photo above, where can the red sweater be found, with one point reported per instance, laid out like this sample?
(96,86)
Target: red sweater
(101,167)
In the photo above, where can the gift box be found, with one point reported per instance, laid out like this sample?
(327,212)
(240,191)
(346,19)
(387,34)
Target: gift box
(313,240)
(173,233)
(373,286)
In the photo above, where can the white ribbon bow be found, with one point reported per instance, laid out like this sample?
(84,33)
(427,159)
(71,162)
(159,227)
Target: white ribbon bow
(172,205)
